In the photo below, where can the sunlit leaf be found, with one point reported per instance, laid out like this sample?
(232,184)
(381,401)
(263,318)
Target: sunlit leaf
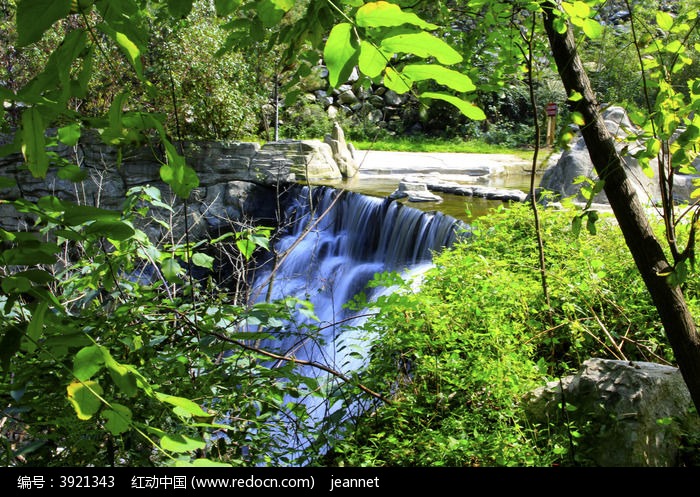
(664,20)
(467,108)
(371,61)
(70,134)
(395,81)
(378,14)
(181,443)
(87,362)
(340,54)
(442,75)
(592,29)
(423,45)
(84,398)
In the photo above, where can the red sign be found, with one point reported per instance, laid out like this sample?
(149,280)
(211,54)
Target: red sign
(551,109)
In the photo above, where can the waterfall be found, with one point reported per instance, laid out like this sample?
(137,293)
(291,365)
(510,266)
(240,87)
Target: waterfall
(329,246)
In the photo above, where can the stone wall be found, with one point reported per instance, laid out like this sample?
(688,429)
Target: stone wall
(237,180)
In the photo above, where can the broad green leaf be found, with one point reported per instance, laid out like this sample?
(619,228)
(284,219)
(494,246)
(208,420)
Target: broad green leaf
(34,17)
(442,75)
(246,247)
(118,419)
(73,173)
(593,29)
(576,9)
(189,406)
(575,96)
(87,362)
(177,174)
(179,9)
(29,256)
(121,374)
(271,12)
(203,260)
(111,229)
(674,46)
(396,81)
(385,14)
(340,54)
(226,7)
(371,61)
(34,143)
(423,45)
(560,25)
(70,134)
(171,270)
(664,20)
(35,328)
(127,45)
(79,214)
(84,398)
(577,118)
(37,276)
(181,443)
(15,284)
(467,108)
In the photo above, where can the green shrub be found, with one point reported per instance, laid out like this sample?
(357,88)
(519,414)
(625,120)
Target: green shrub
(456,356)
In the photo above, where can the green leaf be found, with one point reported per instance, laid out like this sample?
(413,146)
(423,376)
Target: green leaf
(181,443)
(271,12)
(121,374)
(340,54)
(84,398)
(664,20)
(171,270)
(467,108)
(187,405)
(179,9)
(34,143)
(576,9)
(80,214)
(111,229)
(35,328)
(593,29)
(226,7)
(73,173)
(575,96)
(385,14)
(423,45)
(442,75)
(396,81)
(203,260)
(36,16)
(372,61)
(176,173)
(87,362)
(69,135)
(15,284)
(118,419)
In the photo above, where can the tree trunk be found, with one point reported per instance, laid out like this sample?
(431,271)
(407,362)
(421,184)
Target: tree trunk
(646,250)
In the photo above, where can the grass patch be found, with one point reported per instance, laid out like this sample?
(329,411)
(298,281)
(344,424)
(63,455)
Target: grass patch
(440,145)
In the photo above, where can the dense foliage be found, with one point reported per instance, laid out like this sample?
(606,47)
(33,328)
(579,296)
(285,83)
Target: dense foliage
(459,354)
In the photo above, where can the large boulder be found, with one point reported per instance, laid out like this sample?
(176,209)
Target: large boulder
(561,174)
(631,414)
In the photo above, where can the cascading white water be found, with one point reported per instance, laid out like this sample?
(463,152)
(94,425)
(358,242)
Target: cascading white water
(330,245)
